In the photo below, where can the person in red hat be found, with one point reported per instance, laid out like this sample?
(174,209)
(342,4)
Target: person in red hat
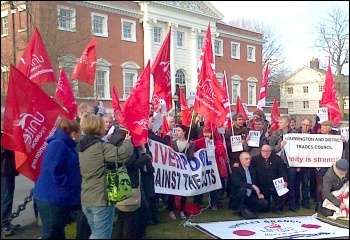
(210,133)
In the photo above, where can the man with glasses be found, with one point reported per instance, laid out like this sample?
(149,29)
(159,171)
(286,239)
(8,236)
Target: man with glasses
(269,166)
(303,174)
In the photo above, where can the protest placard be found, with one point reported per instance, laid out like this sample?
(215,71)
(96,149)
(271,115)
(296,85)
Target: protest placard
(279,186)
(322,113)
(344,131)
(236,143)
(254,138)
(312,150)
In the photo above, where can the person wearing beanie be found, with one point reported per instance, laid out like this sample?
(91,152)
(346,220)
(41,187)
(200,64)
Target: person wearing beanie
(334,179)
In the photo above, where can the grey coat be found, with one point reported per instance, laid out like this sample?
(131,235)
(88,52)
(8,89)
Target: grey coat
(331,182)
(92,168)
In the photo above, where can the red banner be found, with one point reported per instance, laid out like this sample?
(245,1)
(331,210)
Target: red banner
(116,104)
(186,115)
(329,98)
(207,49)
(161,74)
(29,119)
(210,98)
(240,109)
(85,69)
(35,63)
(263,90)
(136,108)
(275,115)
(228,122)
(64,94)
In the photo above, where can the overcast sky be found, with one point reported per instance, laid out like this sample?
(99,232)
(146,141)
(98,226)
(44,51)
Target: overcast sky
(291,20)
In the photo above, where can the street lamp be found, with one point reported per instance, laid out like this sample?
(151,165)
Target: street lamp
(175,99)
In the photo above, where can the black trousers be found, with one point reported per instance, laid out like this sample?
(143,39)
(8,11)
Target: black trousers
(269,193)
(252,202)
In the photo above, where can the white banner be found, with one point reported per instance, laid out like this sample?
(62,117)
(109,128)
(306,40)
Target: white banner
(269,228)
(312,150)
(177,175)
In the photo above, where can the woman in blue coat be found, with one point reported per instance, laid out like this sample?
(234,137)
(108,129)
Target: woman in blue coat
(58,186)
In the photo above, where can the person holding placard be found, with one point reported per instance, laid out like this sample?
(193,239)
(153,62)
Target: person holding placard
(260,136)
(211,141)
(269,166)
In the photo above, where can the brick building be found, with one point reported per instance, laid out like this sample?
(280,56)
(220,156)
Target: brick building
(128,34)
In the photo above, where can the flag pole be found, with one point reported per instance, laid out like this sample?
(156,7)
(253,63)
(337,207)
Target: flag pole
(230,103)
(189,130)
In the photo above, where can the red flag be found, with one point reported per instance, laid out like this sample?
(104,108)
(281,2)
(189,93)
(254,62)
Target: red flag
(65,95)
(207,49)
(263,90)
(275,115)
(161,74)
(186,115)
(136,108)
(85,69)
(209,99)
(116,104)
(240,109)
(29,119)
(227,106)
(165,127)
(35,63)
(329,97)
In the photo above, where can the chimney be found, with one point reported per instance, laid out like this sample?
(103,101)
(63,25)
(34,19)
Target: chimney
(314,63)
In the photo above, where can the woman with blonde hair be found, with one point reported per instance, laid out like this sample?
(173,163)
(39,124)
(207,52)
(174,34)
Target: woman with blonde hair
(93,153)
(57,189)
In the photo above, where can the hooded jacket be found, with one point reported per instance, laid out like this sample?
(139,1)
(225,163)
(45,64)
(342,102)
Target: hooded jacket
(93,152)
(59,181)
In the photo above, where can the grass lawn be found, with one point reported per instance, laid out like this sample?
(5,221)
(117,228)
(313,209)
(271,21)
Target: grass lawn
(174,229)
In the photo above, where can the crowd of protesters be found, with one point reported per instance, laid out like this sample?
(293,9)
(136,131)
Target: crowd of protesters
(72,172)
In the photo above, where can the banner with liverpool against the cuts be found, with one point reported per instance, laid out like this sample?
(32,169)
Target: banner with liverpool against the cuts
(177,175)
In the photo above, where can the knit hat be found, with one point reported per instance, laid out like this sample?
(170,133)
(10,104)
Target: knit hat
(207,128)
(342,164)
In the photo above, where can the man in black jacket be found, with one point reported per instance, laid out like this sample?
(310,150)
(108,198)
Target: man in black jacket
(247,193)
(8,174)
(269,166)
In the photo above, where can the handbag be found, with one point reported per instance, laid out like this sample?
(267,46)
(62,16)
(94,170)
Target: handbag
(117,183)
(132,203)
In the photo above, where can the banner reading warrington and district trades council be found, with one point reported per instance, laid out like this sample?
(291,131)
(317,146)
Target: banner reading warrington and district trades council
(312,150)
(177,175)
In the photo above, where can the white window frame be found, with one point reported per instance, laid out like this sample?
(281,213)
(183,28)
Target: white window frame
(304,104)
(183,39)
(106,89)
(160,35)
(200,40)
(4,15)
(253,57)
(252,81)
(320,88)
(290,105)
(73,19)
(220,47)
(21,8)
(68,62)
(104,24)
(238,50)
(289,88)
(305,89)
(235,80)
(129,68)
(133,30)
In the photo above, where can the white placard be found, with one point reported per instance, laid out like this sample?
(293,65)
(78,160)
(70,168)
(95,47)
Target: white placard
(163,104)
(312,150)
(174,134)
(236,143)
(254,138)
(344,131)
(279,185)
(322,113)
(158,121)
(191,98)
(210,147)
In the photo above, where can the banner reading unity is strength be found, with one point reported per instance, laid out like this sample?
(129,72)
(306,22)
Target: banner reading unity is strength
(177,175)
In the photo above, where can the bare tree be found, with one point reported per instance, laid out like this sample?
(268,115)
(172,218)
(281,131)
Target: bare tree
(272,49)
(333,37)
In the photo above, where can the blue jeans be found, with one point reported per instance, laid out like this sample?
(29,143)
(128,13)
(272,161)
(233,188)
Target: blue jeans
(54,219)
(101,221)
(7,192)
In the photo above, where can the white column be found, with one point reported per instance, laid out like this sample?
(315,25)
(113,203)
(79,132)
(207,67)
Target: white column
(172,57)
(193,60)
